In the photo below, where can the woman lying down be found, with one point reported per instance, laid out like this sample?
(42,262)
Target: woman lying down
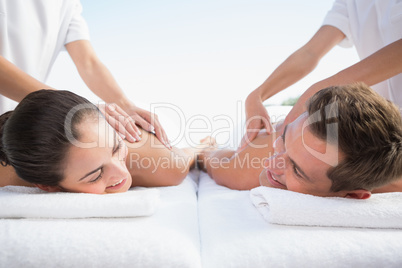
(348,144)
(59,141)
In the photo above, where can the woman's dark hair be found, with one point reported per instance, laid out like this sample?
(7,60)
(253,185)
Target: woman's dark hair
(33,137)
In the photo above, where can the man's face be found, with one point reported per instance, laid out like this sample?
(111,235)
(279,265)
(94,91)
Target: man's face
(297,165)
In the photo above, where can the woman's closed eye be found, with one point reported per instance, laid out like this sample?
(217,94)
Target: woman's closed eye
(97,177)
(115,150)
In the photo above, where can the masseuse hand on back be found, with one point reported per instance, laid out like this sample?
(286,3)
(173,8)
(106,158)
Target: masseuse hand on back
(126,123)
(379,66)
(123,114)
(257,118)
(294,68)
(16,84)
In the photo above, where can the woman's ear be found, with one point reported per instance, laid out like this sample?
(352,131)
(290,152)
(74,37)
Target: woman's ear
(359,194)
(47,188)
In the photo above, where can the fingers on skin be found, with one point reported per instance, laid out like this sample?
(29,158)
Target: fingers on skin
(126,125)
(159,131)
(116,125)
(161,135)
(247,138)
(252,129)
(156,128)
(269,128)
(143,123)
(132,131)
(150,122)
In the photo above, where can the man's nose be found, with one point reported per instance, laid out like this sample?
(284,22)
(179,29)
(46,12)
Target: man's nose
(276,163)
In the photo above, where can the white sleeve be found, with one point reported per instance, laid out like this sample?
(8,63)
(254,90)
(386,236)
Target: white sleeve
(78,28)
(338,17)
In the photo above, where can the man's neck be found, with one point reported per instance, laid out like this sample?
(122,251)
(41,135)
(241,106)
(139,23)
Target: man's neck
(395,186)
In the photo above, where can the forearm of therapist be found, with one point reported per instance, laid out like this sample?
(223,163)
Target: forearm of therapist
(294,68)
(301,62)
(95,74)
(100,80)
(15,83)
(382,65)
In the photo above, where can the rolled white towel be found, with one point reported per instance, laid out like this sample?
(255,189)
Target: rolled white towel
(30,202)
(290,208)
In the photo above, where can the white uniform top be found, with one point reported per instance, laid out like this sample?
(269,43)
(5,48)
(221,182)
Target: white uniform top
(370,25)
(33,32)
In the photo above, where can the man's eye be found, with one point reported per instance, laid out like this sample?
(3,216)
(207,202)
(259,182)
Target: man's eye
(296,172)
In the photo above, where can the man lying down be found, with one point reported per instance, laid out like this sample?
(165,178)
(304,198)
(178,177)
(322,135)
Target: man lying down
(347,144)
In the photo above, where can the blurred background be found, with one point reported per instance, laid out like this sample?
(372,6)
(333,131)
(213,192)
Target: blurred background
(194,62)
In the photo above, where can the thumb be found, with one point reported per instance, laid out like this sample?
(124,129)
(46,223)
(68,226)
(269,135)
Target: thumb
(268,125)
(247,138)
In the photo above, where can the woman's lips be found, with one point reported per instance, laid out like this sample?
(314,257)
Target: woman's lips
(274,182)
(118,185)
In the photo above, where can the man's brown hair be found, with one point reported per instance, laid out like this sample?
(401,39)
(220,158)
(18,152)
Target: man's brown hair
(369,135)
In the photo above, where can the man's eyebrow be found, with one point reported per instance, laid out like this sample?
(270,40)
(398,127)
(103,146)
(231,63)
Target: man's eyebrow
(291,160)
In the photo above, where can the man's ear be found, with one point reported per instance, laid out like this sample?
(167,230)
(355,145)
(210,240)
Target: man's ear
(359,194)
(47,188)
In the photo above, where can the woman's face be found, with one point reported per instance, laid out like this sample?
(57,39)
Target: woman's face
(96,162)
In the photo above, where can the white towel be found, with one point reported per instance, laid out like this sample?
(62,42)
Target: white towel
(234,234)
(291,208)
(168,239)
(30,202)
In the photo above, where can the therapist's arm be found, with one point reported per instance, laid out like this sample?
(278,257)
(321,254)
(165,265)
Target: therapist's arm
(294,68)
(380,66)
(100,80)
(15,83)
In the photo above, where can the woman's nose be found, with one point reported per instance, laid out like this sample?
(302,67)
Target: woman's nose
(119,167)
